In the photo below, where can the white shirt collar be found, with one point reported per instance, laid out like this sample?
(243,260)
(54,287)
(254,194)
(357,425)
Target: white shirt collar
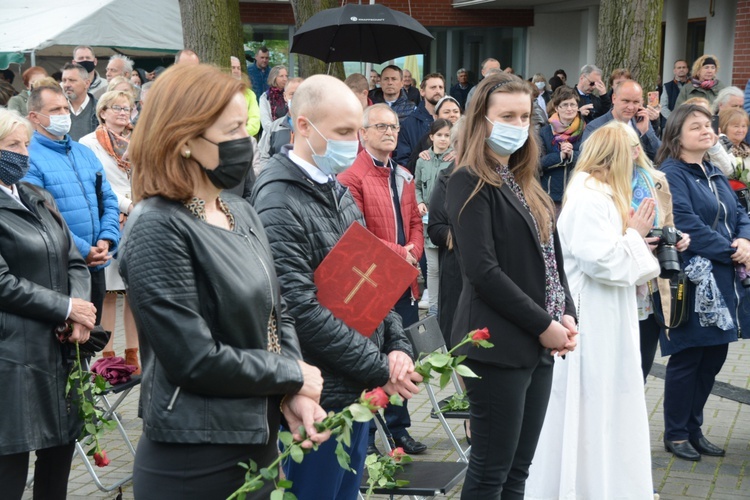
(12,191)
(83,106)
(311,170)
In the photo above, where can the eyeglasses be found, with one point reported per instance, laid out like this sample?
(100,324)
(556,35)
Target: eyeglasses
(570,105)
(119,109)
(382,127)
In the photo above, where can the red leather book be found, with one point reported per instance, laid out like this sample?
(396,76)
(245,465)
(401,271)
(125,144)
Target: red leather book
(361,279)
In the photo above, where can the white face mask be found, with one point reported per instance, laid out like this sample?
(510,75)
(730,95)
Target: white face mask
(539,85)
(339,155)
(506,139)
(59,125)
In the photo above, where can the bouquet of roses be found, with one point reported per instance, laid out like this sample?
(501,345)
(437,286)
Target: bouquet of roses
(363,410)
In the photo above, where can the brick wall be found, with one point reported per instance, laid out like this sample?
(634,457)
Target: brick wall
(741,68)
(431,13)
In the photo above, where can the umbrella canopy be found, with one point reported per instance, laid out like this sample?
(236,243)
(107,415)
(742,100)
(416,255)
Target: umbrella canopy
(366,33)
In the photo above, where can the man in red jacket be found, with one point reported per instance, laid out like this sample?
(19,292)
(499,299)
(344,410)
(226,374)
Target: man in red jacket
(386,195)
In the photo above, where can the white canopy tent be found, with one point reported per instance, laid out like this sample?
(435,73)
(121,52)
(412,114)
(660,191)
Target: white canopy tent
(54,28)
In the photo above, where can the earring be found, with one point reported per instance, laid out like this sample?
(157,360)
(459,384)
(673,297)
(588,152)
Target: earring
(186,154)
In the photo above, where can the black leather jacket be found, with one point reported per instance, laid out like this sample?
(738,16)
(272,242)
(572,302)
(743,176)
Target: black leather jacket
(202,298)
(304,220)
(40,269)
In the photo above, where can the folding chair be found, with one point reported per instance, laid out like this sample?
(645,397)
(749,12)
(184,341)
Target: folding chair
(426,337)
(121,391)
(426,479)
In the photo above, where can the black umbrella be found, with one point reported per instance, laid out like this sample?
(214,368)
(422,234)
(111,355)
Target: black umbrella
(366,33)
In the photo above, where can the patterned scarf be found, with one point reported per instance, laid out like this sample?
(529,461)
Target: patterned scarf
(277,102)
(115,145)
(643,187)
(705,84)
(572,133)
(741,151)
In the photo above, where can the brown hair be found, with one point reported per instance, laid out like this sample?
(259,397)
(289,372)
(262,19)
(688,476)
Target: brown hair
(34,70)
(671,147)
(561,93)
(474,153)
(619,73)
(423,85)
(728,116)
(183,103)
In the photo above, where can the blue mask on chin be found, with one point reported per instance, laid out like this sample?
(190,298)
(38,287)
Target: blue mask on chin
(339,155)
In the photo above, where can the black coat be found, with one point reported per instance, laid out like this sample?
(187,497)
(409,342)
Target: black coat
(304,220)
(504,276)
(202,298)
(450,270)
(602,104)
(40,269)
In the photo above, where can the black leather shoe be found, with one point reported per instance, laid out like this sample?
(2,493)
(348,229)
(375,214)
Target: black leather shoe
(705,447)
(410,445)
(682,450)
(373,450)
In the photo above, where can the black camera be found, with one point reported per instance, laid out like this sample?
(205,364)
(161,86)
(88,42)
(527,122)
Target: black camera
(666,250)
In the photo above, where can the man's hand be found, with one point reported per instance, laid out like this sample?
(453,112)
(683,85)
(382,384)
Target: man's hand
(80,334)
(97,256)
(313,381)
(599,86)
(422,209)
(405,388)
(409,257)
(83,312)
(301,411)
(400,365)
(642,125)
(654,112)
(585,110)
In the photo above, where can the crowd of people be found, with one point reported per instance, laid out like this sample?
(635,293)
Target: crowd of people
(559,217)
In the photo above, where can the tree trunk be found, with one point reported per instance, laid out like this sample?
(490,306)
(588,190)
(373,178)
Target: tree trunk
(213,30)
(304,10)
(630,37)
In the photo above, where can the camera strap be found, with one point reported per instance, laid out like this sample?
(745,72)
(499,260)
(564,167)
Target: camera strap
(678,291)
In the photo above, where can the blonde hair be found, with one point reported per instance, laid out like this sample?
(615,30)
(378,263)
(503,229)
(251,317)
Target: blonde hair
(114,82)
(182,104)
(474,154)
(9,120)
(729,116)
(698,101)
(106,100)
(698,64)
(607,156)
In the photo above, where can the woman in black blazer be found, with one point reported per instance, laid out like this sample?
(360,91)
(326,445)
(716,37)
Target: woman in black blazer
(513,283)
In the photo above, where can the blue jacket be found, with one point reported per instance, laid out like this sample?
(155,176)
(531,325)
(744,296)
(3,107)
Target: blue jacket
(403,106)
(413,128)
(694,208)
(68,171)
(649,141)
(555,172)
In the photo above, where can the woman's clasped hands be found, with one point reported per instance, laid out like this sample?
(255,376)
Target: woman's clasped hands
(559,336)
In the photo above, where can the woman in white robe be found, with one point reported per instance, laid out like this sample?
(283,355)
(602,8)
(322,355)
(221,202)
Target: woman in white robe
(595,439)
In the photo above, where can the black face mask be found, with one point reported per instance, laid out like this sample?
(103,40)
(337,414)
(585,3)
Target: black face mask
(87,65)
(235,159)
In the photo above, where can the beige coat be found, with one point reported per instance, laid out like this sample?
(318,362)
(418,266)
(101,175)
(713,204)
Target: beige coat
(664,204)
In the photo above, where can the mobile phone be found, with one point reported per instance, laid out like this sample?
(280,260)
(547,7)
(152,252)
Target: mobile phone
(653,98)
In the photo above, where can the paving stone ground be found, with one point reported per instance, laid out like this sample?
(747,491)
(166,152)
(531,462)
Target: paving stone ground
(727,423)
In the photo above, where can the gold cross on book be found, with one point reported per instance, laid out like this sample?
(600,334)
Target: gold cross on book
(365,277)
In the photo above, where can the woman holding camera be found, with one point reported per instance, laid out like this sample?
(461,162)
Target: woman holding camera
(705,206)
(595,441)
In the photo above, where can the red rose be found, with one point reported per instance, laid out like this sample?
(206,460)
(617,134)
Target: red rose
(100,458)
(479,335)
(377,398)
(397,453)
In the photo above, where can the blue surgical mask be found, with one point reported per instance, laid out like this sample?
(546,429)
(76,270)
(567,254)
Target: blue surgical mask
(59,125)
(539,85)
(13,166)
(506,139)
(338,157)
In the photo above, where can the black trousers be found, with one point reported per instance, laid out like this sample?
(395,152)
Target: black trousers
(51,471)
(98,291)
(507,412)
(690,377)
(196,471)
(649,330)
